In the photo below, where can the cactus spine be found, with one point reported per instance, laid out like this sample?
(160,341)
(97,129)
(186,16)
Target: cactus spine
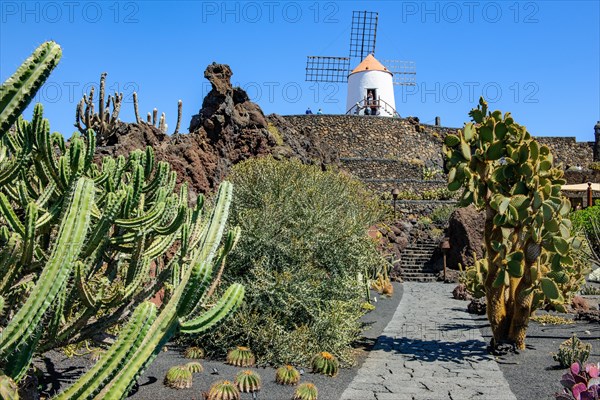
(528,241)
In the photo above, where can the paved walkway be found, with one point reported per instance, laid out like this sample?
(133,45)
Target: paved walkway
(432,349)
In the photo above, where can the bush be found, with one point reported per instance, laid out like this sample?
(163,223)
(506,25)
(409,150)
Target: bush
(303,246)
(441,214)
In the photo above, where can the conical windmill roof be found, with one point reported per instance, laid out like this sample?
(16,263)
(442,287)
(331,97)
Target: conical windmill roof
(370,63)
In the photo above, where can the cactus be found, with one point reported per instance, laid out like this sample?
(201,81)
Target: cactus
(306,391)
(17,91)
(178,377)
(572,351)
(194,352)
(528,242)
(580,382)
(195,367)
(287,375)
(104,121)
(8,388)
(104,225)
(241,357)
(325,363)
(248,381)
(223,390)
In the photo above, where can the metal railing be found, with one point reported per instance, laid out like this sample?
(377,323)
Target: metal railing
(379,106)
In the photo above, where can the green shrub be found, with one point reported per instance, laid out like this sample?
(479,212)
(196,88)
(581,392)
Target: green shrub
(441,214)
(303,247)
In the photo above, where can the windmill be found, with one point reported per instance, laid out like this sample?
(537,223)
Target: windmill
(370,83)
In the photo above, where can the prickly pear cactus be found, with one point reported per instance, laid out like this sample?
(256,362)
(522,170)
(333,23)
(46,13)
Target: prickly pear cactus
(528,239)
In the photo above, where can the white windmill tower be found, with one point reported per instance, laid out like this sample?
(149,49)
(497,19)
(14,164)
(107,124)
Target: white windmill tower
(370,83)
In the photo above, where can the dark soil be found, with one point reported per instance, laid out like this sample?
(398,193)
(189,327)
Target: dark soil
(59,371)
(532,373)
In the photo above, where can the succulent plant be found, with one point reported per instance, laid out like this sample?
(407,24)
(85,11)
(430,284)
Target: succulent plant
(223,390)
(195,367)
(580,383)
(248,381)
(8,388)
(178,377)
(325,363)
(194,352)
(241,357)
(306,391)
(572,351)
(528,242)
(287,375)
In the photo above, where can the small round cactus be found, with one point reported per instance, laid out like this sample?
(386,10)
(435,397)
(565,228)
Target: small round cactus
(178,377)
(248,381)
(287,375)
(241,357)
(306,391)
(194,352)
(223,390)
(195,367)
(325,363)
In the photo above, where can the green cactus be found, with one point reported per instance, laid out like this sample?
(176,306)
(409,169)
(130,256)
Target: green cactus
(195,367)
(325,363)
(105,224)
(248,381)
(528,241)
(306,391)
(178,377)
(287,375)
(223,390)
(8,388)
(193,352)
(571,351)
(241,357)
(17,91)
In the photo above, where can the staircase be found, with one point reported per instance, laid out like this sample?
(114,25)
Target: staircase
(416,261)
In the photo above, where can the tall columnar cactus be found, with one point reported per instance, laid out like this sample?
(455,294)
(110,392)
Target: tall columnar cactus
(88,235)
(528,242)
(18,90)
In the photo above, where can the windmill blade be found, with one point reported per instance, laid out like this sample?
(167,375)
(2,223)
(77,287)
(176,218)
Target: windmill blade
(327,69)
(363,33)
(405,72)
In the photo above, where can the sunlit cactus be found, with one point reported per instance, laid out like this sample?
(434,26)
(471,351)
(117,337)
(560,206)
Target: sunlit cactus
(195,367)
(528,242)
(194,352)
(306,391)
(241,357)
(325,363)
(223,390)
(287,375)
(248,381)
(178,377)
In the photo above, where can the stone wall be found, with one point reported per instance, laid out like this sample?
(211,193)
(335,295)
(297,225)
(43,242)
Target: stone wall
(388,153)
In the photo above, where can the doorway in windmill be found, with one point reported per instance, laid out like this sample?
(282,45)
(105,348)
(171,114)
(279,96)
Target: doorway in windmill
(372,103)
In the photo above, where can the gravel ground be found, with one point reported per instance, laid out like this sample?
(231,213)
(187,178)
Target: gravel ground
(533,374)
(59,370)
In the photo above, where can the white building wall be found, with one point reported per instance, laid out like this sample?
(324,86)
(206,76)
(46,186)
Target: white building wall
(359,82)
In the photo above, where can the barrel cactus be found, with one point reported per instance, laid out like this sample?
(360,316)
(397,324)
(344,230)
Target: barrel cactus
(223,390)
(195,367)
(528,242)
(248,381)
(287,375)
(306,391)
(178,377)
(325,363)
(194,352)
(241,356)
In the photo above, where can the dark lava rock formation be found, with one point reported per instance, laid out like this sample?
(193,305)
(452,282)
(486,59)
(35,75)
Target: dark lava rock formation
(465,231)
(228,129)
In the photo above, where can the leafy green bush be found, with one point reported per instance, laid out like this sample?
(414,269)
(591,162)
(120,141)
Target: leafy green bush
(441,214)
(303,247)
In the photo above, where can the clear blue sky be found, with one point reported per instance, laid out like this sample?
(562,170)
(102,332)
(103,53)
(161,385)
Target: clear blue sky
(538,59)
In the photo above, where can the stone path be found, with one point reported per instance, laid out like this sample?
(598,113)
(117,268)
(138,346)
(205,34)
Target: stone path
(431,350)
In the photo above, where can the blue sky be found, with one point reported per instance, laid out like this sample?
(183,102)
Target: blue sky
(538,59)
